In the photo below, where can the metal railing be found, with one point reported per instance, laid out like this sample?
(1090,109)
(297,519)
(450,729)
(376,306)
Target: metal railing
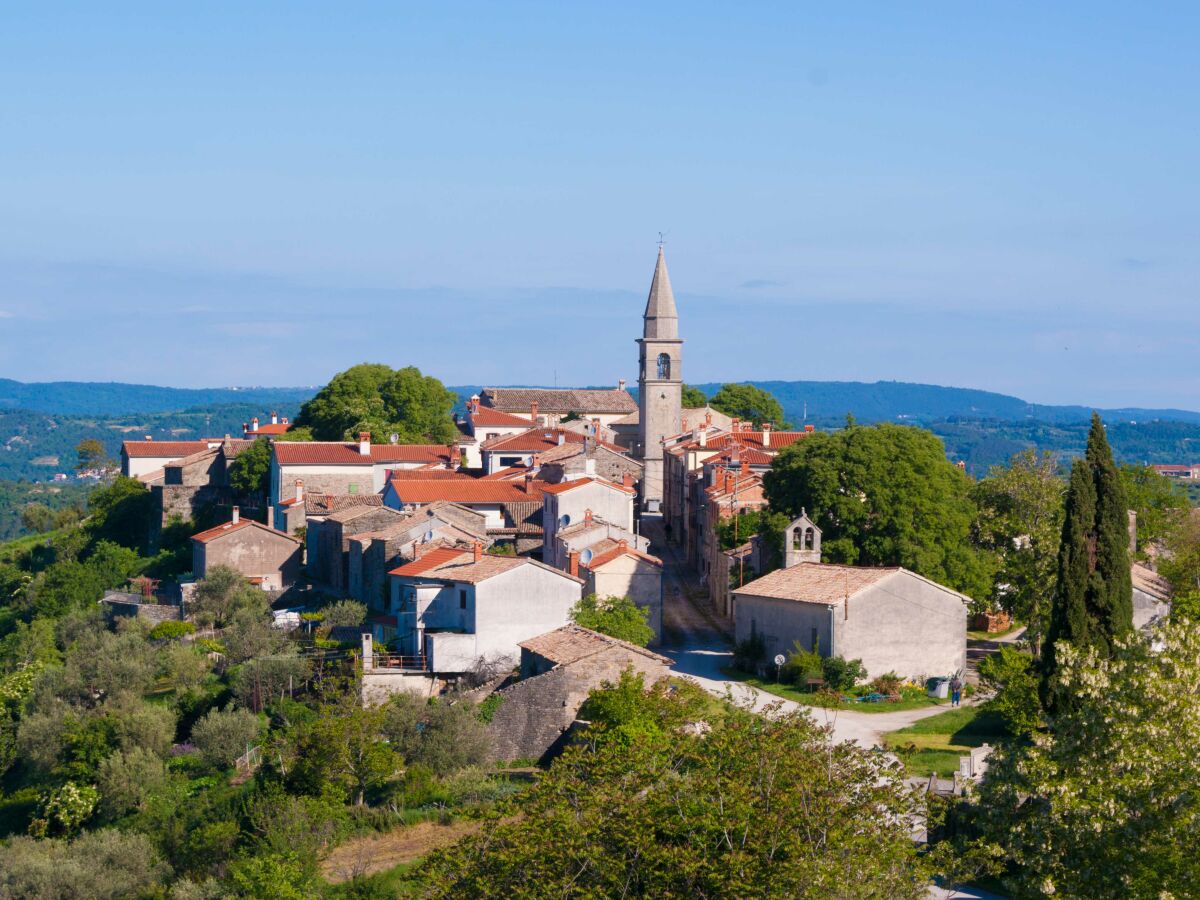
(396,661)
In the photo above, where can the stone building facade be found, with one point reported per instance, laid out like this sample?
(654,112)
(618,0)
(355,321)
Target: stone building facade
(660,382)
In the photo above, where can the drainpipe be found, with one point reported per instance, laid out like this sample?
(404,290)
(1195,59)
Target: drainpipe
(832,631)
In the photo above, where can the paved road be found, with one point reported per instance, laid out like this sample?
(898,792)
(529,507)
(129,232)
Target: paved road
(701,645)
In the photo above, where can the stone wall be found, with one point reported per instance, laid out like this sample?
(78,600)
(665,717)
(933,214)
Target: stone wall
(535,717)
(147,612)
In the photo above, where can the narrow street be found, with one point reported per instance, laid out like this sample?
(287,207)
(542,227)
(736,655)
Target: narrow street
(701,643)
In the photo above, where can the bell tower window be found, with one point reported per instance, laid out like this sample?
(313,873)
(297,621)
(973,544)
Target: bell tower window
(664,367)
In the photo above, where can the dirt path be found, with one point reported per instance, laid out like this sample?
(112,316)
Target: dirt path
(373,853)
(702,644)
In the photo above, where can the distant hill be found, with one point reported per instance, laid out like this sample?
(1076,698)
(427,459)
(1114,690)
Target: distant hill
(85,398)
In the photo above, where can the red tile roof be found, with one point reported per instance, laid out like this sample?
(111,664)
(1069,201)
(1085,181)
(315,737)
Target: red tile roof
(486,416)
(228,528)
(618,551)
(816,582)
(296,453)
(452,564)
(571,643)
(277,428)
(465,490)
(175,449)
(563,486)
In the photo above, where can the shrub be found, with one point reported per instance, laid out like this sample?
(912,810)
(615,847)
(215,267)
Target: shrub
(224,735)
(617,617)
(801,665)
(487,708)
(842,674)
(1011,674)
(344,612)
(63,811)
(748,654)
(170,630)
(101,865)
(127,779)
(889,683)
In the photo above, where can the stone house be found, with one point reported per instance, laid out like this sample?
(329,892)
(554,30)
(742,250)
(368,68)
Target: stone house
(569,502)
(732,493)
(337,467)
(262,555)
(294,514)
(892,619)
(455,608)
(144,459)
(373,554)
(580,536)
(558,671)
(549,406)
(615,569)
(524,448)
(512,509)
(1151,595)
(591,458)
(483,423)
(329,541)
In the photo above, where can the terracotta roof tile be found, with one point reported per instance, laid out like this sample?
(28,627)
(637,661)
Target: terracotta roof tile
(604,557)
(228,528)
(176,449)
(467,490)
(300,453)
(451,564)
(324,504)
(816,582)
(560,400)
(571,643)
(563,486)
(486,416)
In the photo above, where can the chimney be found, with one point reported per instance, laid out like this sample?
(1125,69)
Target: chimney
(477,550)
(237,516)
(620,384)
(528,483)
(562,439)
(587,517)
(573,563)
(533,412)
(707,419)
(704,437)
(364,443)
(737,425)
(149,437)
(299,489)
(285,421)
(623,545)
(270,516)
(537,461)
(728,481)
(627,480)
(589,467)
(274,418)
(766,429)
(254,424)
(745,467)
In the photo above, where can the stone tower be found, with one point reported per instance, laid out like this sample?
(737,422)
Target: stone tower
(660,382)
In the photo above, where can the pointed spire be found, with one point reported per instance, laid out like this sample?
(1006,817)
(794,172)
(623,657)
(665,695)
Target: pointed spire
(661,320)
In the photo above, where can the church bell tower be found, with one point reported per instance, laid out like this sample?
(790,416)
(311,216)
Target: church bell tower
(660,382)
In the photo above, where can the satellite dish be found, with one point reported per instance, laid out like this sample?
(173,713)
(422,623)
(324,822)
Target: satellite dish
(394,438)
(564,520)
(585,557)
(428,536)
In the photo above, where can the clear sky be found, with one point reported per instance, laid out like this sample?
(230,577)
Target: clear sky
(992,195)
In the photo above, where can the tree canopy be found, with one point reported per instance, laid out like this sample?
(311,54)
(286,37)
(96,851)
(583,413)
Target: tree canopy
(617,617)
(884,495)
(384,401)
(693,397)
(250,471)
(748,403)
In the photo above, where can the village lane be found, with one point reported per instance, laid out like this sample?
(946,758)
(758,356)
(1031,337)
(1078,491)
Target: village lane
(701,644)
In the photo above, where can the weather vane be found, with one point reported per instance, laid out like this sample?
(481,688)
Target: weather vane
(662,239)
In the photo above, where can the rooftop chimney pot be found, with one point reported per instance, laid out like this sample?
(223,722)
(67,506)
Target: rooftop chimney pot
(237,516)
(299,489)
(573,563)
(477,550)
(364,443)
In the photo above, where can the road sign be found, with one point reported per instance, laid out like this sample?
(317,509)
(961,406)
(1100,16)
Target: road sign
(780,659)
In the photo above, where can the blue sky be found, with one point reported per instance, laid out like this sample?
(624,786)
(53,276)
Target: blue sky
(991,195)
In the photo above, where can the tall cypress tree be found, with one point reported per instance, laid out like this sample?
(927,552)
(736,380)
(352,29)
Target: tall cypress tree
(1093,597)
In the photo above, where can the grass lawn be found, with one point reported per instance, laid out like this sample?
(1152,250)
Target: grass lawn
(914,699)
(935,744)
(993,635)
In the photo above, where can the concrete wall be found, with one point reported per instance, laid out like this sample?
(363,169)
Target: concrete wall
(537,713)
(520,604)
(254,552)
(628,576)
(605,502)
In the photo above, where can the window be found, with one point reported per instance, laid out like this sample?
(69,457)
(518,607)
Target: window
(462,598)
(352,488)
(664,366)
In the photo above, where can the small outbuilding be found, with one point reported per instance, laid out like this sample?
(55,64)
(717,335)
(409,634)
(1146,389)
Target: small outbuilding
(262,555)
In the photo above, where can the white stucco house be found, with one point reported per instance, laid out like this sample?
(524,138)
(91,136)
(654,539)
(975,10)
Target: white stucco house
(892,619)
(455,607)
(571,502)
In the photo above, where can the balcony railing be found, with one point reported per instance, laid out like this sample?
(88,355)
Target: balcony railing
(396,661)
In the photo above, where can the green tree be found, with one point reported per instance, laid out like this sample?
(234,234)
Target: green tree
(1013,677)
(884,495)
(758,807)
(341,750)
(1105,805)
(222,736)
(37,518)
(250,471)
(121,513)
(748,403)
(1020,520)
(617,617)
(1180,565)
(92,455)
(1158,502)
(693,397)
(344,612)
(127,779)
(103,865)
(384,401)
(1093,595)
(221,594)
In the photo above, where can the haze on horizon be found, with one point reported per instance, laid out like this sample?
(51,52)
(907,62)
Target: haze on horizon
(978,196)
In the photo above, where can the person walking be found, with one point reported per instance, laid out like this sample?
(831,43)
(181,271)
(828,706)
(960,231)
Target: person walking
(955,690)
